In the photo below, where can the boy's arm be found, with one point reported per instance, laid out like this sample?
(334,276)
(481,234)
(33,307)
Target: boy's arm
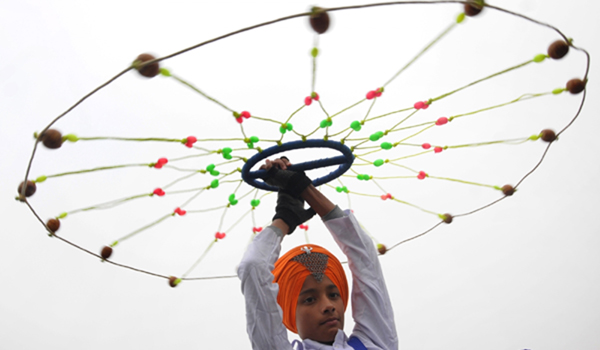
(263,314)
(371,306)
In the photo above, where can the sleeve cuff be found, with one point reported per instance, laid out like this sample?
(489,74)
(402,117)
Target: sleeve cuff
(277,231)
(335,213)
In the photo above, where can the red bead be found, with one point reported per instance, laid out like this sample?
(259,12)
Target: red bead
(426,146)
(420,105)
(421,175)
(245,114)
(307,100)
(370,95)
(220,235)
(159,192)
(180,211)
(437,149)
(441,121)
(316,97)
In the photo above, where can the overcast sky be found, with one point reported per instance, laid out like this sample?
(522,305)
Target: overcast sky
(522,274)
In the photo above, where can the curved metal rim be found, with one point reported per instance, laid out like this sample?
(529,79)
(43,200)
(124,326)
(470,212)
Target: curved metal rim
(344,161)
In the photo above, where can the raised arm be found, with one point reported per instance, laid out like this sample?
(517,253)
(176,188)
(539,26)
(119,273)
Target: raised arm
(263,315)
(371,306)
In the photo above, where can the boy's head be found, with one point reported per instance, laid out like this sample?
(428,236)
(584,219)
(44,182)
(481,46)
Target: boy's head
(313,292)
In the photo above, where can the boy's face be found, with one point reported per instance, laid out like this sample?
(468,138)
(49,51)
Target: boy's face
(320,310)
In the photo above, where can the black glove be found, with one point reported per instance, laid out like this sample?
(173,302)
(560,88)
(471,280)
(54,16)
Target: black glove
(291,210)
(291,182)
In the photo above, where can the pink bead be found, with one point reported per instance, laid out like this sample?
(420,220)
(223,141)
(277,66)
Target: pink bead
(316,98)
(421,175)
(220,235)
(159,192)
(303,227)
(425,105)
(180,212)
(307,100)
(441,121)
(419,105)
(161,161)
(191,139)
(239,120)
(370,95)
(256,229)
(386,196)
(245,114)
(437,149)
(426,146)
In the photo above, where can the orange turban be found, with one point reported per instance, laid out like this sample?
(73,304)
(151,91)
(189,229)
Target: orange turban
(291,271)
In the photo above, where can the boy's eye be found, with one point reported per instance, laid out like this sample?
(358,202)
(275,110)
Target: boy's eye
(334,295)
(309,300)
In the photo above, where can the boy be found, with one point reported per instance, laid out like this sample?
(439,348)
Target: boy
(306,289)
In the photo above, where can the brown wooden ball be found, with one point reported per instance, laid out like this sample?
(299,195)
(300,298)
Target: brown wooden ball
(52,138)
(558,49)
(473,9)
(508,190)
(575,86)
(548,135)
(53,225)
(382,249)
(173,281)
(448,218)
(106,252)
(151,70)
(319,20)
(29,188)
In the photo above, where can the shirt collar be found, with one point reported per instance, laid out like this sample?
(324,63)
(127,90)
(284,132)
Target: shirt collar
(340,342)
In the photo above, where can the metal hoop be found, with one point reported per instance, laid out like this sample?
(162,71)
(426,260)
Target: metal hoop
(344,161)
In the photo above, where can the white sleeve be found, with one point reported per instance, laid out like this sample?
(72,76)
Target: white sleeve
(264,317)
(371,306)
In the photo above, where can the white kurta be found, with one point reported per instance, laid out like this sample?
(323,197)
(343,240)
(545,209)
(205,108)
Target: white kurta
(371,306)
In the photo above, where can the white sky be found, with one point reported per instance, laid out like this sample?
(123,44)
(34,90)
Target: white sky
(523,274)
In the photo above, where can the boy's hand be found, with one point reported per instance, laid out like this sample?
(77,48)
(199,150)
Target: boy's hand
(291,210)
(292,182)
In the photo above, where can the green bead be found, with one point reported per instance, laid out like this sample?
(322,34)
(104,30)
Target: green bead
(282,130)
(345,189)
(323,123)
(210,167)
(356,125)
(71,138)
(227,156)
(558,91)
(255,202)
(460,18)
(215,173)
(378,162)
(250,145)
(214,183)
(539,58)
(386,145)
(232,199)
(254,139)
(534,137)
(165,72)
(363,177)
(62,215)
(226,150)
(376,136)
(289,127)
(314,52)
(40,179)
